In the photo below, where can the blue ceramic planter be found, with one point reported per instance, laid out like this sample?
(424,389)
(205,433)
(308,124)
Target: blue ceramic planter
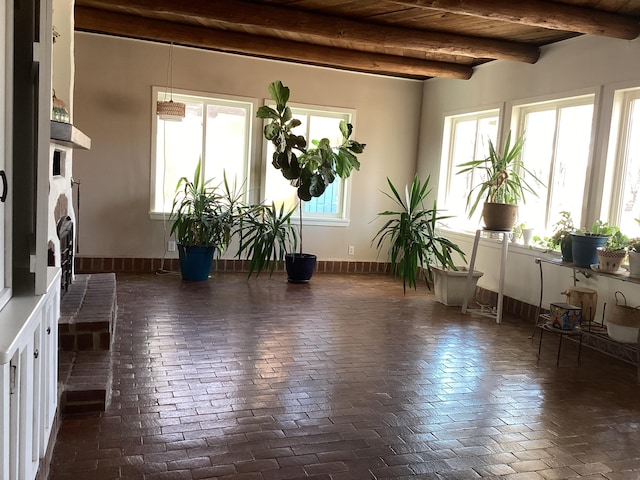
(584,248)
(195,261)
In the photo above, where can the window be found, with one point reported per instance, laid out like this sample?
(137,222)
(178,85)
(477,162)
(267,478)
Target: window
(316,123)
(556,149)
(466,138)
(218,130)
(625,204)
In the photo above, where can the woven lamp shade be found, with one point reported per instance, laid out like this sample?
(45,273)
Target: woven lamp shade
(171,111)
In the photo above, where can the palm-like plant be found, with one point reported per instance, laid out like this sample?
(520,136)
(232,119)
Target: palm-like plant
(266,234)
(503,174)
(203,214)
(413,235)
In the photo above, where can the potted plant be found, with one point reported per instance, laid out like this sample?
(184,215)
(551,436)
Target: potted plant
(415,247)
(633,250)
(503,185)
(585,243)
(203,218)
(265,235)
(309,169)
(561,237)
(613,253)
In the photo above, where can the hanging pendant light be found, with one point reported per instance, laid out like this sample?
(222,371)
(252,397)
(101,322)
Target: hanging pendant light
(170,110)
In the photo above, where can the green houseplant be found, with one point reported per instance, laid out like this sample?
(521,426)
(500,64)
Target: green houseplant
(411,231)
(203,219)
(265,235)
(585,243)
(613,253)
(561,238)
(310,169)
(503,184)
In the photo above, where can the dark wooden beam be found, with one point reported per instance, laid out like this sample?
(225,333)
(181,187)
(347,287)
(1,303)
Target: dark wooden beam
(539,13)
(100,21)
(239,13)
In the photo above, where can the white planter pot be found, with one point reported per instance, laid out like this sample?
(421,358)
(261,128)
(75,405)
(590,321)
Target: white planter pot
(634,264)
(449,285)
(527,236)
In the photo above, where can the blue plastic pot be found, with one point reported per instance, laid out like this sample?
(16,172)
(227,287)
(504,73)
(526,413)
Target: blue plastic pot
(195,262)
(584,249)
(300,267)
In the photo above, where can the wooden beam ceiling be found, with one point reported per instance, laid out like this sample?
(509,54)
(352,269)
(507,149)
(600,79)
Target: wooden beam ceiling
(540,13)
(94,20)
(404,38)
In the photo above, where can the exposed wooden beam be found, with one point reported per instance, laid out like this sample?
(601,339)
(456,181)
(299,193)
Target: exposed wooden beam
(94,20)
(308,24)
(539,13)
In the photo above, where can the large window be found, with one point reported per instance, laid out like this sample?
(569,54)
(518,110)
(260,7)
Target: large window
(466,138)
(556,149)
(625,190)
(217,130)
(316,123)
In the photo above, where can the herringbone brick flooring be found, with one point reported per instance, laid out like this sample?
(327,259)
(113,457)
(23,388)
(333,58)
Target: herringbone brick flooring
(344,378)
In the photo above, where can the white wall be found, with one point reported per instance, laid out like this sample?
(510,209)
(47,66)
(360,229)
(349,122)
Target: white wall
(113,106)
(576,65)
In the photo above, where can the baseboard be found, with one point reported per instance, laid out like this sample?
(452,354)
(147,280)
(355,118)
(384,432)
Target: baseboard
(150,265)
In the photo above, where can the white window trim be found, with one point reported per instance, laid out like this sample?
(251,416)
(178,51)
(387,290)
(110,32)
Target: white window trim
(309,218)
(253,145)
(593,181)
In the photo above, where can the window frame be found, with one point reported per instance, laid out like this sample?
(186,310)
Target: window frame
(518,113)
(447,166)
(314,219)
(252,145)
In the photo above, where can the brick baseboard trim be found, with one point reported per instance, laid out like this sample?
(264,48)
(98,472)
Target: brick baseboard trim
(149,265)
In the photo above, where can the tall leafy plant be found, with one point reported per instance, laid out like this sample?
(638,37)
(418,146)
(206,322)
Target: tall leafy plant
(503,176)
(204,214)
(266,233)
(412,234)
(309,169)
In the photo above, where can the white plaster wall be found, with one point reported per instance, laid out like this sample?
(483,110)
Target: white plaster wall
(113,106)
(583,63)
(63,65)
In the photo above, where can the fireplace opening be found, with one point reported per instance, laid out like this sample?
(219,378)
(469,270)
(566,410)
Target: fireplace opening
(65,234)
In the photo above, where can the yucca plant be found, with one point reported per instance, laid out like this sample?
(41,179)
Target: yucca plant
(412,235)
(503,176)
(204,214)
(266,235)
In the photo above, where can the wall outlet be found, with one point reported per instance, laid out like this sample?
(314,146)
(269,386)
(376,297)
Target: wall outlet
(171,246)
(352,250)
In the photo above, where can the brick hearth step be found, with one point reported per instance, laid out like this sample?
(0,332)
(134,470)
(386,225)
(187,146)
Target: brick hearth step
(87,321)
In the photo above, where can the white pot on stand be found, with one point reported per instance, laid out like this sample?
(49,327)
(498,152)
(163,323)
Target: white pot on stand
(634,264)
(527,236)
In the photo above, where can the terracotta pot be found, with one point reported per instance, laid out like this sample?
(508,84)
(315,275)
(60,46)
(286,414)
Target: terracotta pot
(499,216)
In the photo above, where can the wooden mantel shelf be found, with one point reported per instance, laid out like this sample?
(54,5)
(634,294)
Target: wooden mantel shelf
(69,136)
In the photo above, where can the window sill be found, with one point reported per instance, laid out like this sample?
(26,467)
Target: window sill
(308,221)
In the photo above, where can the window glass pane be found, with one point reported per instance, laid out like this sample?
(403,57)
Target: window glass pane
(315,125)
(556,150)
(221,140)
(178,148)
(226,143)
(630,208)
(470,141)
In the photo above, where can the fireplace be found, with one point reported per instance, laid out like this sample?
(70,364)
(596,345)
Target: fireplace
(65,235)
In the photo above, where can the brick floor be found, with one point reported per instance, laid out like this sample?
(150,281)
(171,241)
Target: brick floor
(344,378)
